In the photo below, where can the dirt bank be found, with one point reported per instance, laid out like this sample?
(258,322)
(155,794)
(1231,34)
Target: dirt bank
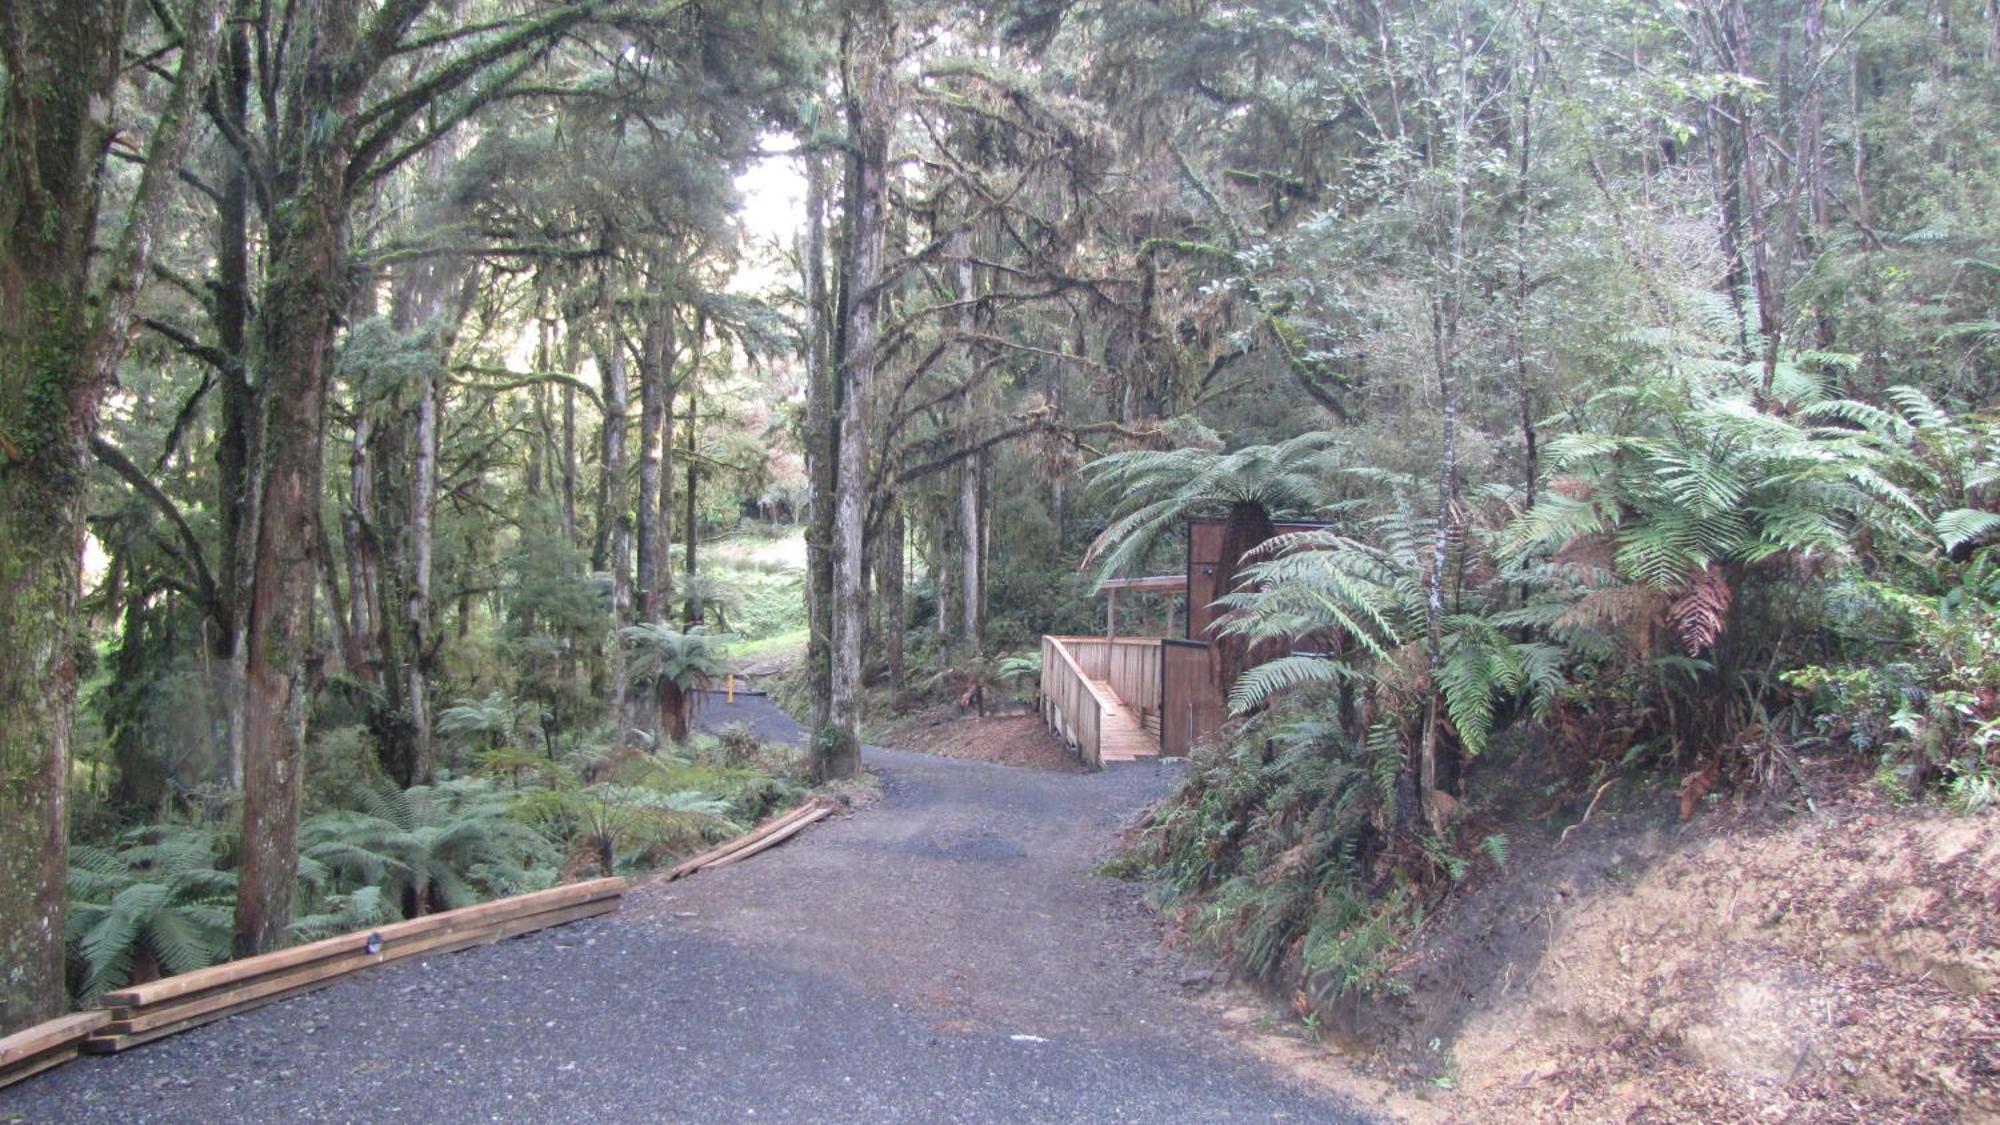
(1841,964)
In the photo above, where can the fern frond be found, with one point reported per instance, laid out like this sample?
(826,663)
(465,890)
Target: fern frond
(1257,685)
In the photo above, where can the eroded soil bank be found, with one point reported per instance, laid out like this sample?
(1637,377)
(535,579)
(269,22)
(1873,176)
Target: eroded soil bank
(1837,964)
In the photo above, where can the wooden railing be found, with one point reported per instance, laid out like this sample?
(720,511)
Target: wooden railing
(1131,665)
(1068,705)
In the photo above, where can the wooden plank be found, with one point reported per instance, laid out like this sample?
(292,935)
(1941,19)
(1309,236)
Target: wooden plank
(757,841)
(772,840)
(695,863)
(29,1067)
(32,1041)
(125,1033)
(249,968)
(1151,584)
(305,978)
(1077,705)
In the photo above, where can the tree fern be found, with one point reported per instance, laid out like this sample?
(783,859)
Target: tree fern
(674,662)
(1154,491)
(157,893)
(430,847)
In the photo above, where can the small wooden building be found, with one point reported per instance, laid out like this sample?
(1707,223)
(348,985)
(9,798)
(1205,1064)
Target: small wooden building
(1120,698)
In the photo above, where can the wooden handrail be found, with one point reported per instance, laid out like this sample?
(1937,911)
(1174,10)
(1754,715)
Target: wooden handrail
(1131,665)
(1069,706)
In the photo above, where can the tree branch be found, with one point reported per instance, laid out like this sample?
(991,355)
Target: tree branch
(109,456)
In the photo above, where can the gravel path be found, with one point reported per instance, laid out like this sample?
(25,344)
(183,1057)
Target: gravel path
(946,954)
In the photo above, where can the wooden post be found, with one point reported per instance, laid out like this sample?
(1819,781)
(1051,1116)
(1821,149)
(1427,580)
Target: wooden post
(1171,603)
(1111,613)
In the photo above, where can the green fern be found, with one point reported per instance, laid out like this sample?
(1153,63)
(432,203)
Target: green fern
(157,894)
(1154,491)
(628,826)
(427,847)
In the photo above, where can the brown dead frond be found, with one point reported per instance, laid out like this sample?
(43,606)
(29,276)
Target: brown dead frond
(1571,487)
(1632,613)
(1589,559)
(1701,609)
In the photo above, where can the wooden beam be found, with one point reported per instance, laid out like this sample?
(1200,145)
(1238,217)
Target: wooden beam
(749,840)
(136,1028)
(1152,584)
(25,1044)
(231,972)
(773,839)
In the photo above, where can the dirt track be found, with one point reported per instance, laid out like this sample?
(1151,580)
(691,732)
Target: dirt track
(947,954)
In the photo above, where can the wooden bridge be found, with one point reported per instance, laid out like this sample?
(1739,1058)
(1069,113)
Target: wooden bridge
(1119,699)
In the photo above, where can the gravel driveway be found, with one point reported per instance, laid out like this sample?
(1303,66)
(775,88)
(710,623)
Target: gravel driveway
(946,954)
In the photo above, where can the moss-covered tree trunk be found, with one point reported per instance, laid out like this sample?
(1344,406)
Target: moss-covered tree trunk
(670,702)
(817,440)
(615,514)
(655,404)
(895,605)
(836,752)
(292,354)
(61,339)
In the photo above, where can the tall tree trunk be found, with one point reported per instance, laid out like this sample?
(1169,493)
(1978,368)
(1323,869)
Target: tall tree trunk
(569,456)
(434,296)
(690,494)
(235,493)
(615,515)
(1517,329)
(868,97)
(968,554)
(417,596)
(655,362)
(1436,762)
(61,340)
(364,555)
(895,611)
(969,535)
(292,353)
(1812,159)
(817,440)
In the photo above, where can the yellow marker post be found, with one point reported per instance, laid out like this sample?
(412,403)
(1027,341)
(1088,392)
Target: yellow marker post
(729,682)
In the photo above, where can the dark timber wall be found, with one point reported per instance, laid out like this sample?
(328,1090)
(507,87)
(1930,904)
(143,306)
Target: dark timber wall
(1191,706)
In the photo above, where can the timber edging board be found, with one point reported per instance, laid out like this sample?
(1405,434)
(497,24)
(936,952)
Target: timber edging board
(769,834)
(152,1011)
(32,1050)
(143,1013)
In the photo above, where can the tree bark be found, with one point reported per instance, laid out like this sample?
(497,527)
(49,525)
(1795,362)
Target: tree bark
(868,95)
(1436,762)
(655,362)
(292,352)
(895,611)
(235,493)
(691,520)
(61,339)
(364,555)
(817,441)
(615,515)
(969,536)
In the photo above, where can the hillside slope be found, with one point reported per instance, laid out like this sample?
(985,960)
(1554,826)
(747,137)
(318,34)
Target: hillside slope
(1839,965)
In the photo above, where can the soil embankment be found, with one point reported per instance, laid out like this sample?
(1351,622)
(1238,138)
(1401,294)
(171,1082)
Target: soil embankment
(1836,965)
